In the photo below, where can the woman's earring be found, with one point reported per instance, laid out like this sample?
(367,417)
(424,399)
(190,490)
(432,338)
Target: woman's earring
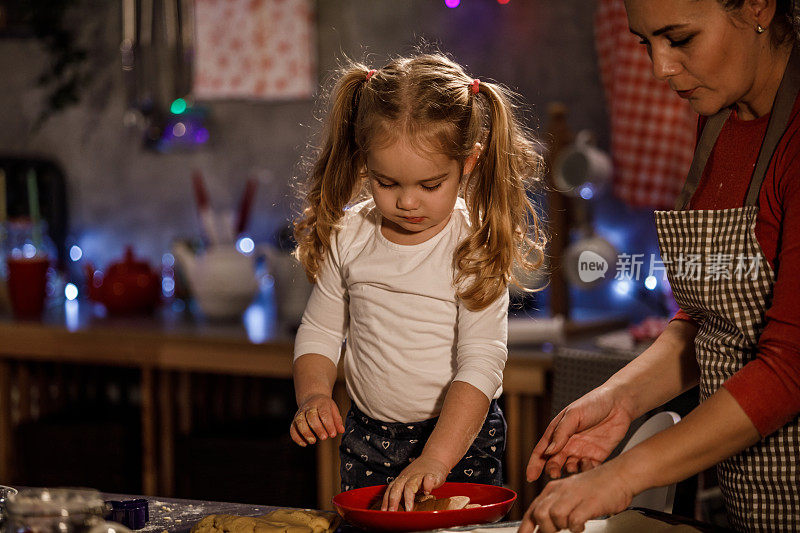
(760,29)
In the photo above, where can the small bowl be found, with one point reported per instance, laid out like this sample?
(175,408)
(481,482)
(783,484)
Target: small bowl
(5,492)
(495,502)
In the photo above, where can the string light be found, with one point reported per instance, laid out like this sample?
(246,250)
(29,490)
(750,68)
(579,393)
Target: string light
(178,106)
(167,286)
(75,253)
(622,287)
(452,3)
(245,245)
(179,129)
(70,291)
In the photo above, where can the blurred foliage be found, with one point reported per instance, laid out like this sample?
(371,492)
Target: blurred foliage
(68,72)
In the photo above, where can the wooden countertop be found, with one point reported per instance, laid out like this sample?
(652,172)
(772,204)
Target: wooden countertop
(174,341)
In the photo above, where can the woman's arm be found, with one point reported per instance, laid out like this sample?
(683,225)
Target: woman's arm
(715,430)
(587,430)
(666,369)
(463,414)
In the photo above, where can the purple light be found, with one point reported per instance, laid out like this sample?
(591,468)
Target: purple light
(452,3)
(201,135)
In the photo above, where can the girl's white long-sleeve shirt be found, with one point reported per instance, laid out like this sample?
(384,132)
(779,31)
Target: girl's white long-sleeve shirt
(408,335)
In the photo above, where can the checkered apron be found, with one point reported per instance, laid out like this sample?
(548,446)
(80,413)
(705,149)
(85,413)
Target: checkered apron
(720,277)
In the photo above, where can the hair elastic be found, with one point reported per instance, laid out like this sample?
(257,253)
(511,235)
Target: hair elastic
(370,73)
(476,86)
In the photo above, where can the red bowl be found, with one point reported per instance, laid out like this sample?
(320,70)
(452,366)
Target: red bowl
(495,502)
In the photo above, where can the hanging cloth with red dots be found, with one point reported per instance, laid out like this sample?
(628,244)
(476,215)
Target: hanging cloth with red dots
(261,49)
(652,130)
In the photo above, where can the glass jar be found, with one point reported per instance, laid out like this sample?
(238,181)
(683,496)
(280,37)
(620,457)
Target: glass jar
(28,254)
(54,511)
(5,492)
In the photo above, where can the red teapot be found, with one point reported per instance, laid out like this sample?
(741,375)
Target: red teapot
(128,287)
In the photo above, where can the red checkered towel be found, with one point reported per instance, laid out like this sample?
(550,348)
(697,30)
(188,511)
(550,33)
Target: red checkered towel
(652,130)
(262,49)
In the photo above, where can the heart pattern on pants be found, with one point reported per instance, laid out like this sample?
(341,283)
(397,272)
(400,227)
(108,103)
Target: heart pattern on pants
(376,450)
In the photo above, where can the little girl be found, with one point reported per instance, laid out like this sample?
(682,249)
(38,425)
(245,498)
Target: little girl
(415,277)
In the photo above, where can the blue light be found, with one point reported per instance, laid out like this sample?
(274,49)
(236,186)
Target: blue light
(168,260)
(245,245)
(587,192)
(167,286)
(255,322)
(72,314)
(70,291)
(622,287)
(651,283)
(452,3)
(28,250)
(75,253)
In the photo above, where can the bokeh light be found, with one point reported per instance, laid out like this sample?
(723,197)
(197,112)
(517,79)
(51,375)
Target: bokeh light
(178,106)
(622,287)
(75,253)
(245,245)
(70,291)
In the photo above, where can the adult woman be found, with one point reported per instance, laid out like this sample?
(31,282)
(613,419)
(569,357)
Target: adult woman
(738,331)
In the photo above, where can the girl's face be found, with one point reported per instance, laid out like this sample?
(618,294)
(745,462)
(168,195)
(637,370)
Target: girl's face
(708,55)
(414,191)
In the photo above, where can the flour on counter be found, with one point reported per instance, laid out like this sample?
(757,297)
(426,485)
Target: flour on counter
(166,516)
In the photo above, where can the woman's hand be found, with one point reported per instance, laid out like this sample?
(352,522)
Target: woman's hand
(317,417)
(423,474)
(582,435)
(568,503)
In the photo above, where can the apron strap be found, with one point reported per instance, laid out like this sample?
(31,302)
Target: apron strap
(778,120)
(708,138)
(781,112)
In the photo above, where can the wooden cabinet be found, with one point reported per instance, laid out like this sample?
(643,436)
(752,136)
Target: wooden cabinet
(163,356)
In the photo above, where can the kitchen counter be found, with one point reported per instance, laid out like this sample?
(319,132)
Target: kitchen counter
(170,345)
(178,516)
(175,515)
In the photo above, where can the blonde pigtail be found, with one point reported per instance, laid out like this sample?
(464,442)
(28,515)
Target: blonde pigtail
(336,175)
(506,230)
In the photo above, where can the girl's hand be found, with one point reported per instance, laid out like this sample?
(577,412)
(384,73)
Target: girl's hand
(423,474)
(568,503)
(317,417)
(582,435)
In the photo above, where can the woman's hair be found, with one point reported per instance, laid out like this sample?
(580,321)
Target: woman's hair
(428,101)
(784,24)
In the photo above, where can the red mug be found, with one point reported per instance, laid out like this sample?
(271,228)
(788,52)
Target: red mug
(27,285)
